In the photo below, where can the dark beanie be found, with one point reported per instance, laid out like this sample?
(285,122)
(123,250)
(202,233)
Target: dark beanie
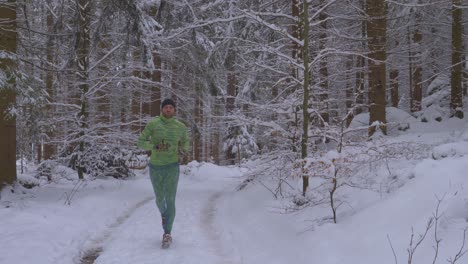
(167,101)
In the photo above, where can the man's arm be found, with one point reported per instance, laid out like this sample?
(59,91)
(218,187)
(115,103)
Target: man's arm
(144,138)
(185,144)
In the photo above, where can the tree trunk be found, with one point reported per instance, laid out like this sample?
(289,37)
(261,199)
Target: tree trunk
(155,107)
(360,84)
(102,116)
(49,148)
(323,67)
(231,95)
(456,99)
(83,46)
(416,96)
(7,94)
(376,25)
(410,68)
(465,81)
(349,91)
(296,33)
(360,73)
(174,82)
(394,87)
(197,142)
(39,151)
(216,142)
(305,102)
(296,55)
(152,99)
(137,98)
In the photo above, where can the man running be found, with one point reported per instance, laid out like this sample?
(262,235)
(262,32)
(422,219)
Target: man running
(165,137)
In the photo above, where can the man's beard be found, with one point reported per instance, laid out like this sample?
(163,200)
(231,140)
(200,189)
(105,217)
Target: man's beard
(168,115)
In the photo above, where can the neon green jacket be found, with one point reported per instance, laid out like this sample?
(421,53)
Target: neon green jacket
(164,137)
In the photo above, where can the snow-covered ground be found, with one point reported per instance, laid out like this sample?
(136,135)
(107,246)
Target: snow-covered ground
(216,223)
(118,218)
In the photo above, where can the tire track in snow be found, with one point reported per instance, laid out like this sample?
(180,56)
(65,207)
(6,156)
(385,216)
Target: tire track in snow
(90,255)
(211,230)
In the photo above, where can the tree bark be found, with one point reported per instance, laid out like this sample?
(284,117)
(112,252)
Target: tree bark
(198,120)
(102,115)
(394,87)
(155,109)
(323,66)
(137,97)
(456,99)
(216,142)
(49,148)
(360,73)
(296,55)
(231,95)
(305,102)
(83,47)
(360,84)
(7,94)
(349,91)
(376,25)
(296,33)
(155,105)
(416,96)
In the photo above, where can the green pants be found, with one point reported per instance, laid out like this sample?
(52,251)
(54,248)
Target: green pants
(164,179)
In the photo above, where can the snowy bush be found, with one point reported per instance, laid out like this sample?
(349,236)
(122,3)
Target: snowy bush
(138,159)
(241,143)
(191,168)
(435,106)
(438,92)
(105,162)
(45,169)
(28,181)
(397,120)
(458,149)
(52,171)
(434,112)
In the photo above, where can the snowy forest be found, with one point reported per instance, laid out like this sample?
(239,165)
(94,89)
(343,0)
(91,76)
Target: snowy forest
(80,79)
(308,96)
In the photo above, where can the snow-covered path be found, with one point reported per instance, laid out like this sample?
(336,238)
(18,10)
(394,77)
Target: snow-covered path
(111,221)
(195,237)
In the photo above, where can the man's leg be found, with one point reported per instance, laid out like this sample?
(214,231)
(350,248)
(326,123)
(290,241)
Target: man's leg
(170,184)
(157,180)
